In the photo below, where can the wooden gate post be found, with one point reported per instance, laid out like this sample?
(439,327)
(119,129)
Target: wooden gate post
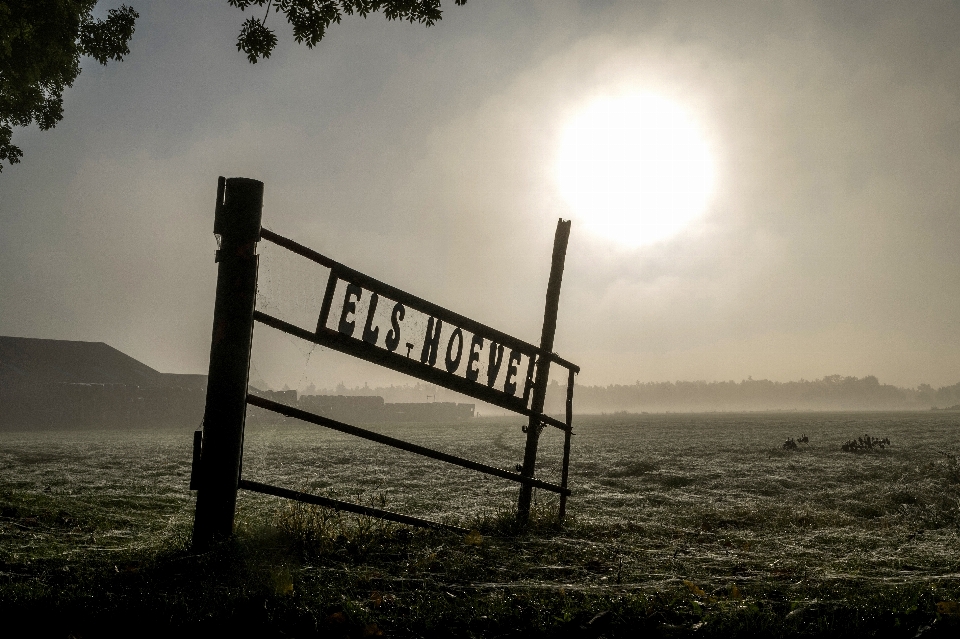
(543,366)
(237,223)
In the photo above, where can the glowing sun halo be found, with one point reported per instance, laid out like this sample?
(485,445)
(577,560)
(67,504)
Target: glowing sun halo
(635,169)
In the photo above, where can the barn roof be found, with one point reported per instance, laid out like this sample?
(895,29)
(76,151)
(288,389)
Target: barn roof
(30,361)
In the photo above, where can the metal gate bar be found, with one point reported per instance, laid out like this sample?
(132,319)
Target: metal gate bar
(399,363)
(562,510)
(313,418)
(317,500)
(356,277)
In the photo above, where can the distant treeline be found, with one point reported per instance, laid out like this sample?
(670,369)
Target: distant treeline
(407,393)
(832,392)
(358,408)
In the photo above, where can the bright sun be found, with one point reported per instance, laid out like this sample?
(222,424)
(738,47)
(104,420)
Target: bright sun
(635,168)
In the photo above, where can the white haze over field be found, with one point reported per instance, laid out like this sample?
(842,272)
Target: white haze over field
(428,158)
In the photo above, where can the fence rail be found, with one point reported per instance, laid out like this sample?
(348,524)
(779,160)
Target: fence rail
(359,509)
(333,424)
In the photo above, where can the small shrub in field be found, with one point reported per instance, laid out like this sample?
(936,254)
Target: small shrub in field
(791,443)
(865,443)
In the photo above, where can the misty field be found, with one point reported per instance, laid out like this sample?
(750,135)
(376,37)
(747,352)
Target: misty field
(678,524)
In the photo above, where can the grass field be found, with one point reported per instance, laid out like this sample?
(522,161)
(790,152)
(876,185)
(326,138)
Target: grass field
(699,525)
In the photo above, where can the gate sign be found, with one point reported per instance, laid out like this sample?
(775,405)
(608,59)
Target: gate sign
(366,318)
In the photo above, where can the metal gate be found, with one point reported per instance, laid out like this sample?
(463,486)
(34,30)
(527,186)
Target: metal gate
(218,448)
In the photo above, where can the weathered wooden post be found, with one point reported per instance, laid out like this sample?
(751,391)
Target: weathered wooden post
(543,366)
(237,223)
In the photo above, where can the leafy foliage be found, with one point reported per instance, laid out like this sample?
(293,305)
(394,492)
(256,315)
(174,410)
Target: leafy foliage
(310,19)
(41,42)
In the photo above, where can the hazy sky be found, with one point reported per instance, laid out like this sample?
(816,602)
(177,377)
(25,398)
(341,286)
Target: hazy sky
(427,158)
